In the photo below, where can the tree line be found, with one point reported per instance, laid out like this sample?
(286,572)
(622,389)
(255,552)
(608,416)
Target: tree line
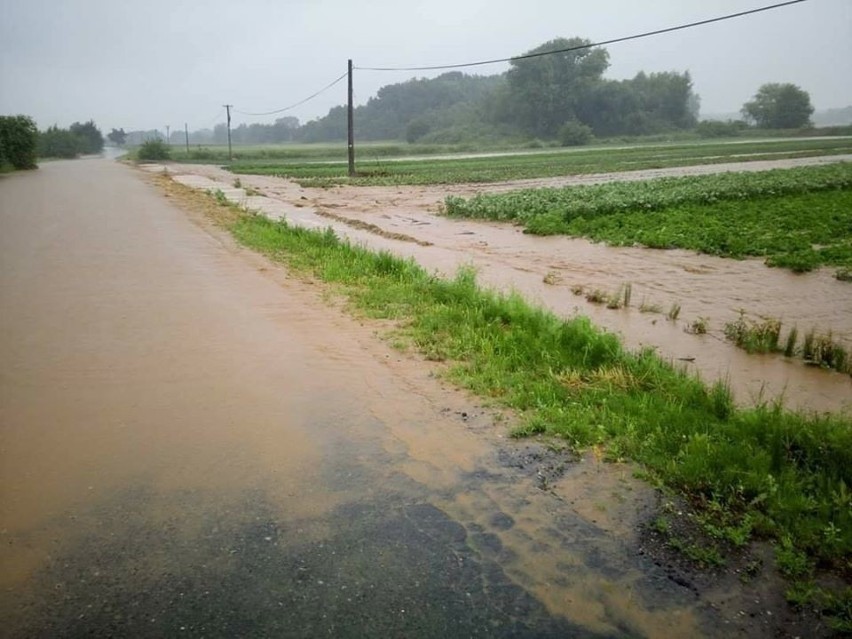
(21,143)
(78,139)
(562,96)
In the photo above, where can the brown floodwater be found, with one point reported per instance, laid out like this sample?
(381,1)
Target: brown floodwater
(710,289)
(192,442)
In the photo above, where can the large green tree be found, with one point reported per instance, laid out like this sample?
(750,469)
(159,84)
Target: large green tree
(779,106)
(546,91)
(117,137)
(18,141)
(92,141)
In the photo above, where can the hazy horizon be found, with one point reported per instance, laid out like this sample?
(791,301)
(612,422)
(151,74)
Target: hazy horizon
(142,66)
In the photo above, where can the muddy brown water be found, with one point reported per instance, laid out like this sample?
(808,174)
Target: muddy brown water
(194,443)
(709,288)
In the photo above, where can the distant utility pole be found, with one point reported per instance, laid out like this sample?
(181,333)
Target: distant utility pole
(168,139)
(228,108)
(350,120)
(186,136)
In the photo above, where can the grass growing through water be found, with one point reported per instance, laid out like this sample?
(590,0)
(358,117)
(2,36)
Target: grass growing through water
(754,337)
(788,472)
(764,337)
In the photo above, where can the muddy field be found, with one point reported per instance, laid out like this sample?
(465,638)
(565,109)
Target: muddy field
(407,221)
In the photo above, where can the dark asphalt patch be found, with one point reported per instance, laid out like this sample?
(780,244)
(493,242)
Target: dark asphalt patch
(236,570)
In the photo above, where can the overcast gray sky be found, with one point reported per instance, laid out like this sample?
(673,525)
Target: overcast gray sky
(145,64)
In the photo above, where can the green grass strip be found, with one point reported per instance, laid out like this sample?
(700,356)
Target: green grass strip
(787,475)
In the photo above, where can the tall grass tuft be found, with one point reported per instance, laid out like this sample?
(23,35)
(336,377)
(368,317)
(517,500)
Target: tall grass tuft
(674,312)
(753,336)
(792,338)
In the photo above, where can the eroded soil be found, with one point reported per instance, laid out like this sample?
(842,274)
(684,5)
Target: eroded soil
(407,221)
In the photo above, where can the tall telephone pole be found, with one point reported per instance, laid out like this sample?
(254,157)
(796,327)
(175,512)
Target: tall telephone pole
(350,120)
(228,108)
(186,137)
(168,139)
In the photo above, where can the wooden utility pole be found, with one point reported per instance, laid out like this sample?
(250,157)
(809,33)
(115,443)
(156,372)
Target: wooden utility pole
(186,137)
(228,109)
(168,139)
(350,120)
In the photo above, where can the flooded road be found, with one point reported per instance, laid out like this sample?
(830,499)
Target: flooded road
(195,444)
(545,270)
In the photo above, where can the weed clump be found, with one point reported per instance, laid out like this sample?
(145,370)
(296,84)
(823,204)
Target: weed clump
(698,326)
(153,150)
(822,350)
(649,307)
(674,312)
(753,336)
(764,337)
(792,339)
(597,296)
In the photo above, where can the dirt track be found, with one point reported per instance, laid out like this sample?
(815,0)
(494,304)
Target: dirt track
(406,221)
(194,443)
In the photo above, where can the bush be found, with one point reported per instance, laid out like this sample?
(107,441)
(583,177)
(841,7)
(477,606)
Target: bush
(153,150)
(19,139)
(719,129)
(91,139)
(58,143)
(574,133)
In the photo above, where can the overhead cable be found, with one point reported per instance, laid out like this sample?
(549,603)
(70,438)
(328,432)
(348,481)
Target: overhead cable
(299,103)
(586,46)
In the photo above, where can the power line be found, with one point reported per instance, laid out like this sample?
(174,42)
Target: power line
(586,46)
(300,102)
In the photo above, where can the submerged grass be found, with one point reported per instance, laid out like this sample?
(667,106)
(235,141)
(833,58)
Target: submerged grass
(764,336)
(788,472)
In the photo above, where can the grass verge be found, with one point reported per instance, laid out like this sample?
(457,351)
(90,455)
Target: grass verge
(786,474)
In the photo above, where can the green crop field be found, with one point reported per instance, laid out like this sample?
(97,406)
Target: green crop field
(795,218)
(375,168)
